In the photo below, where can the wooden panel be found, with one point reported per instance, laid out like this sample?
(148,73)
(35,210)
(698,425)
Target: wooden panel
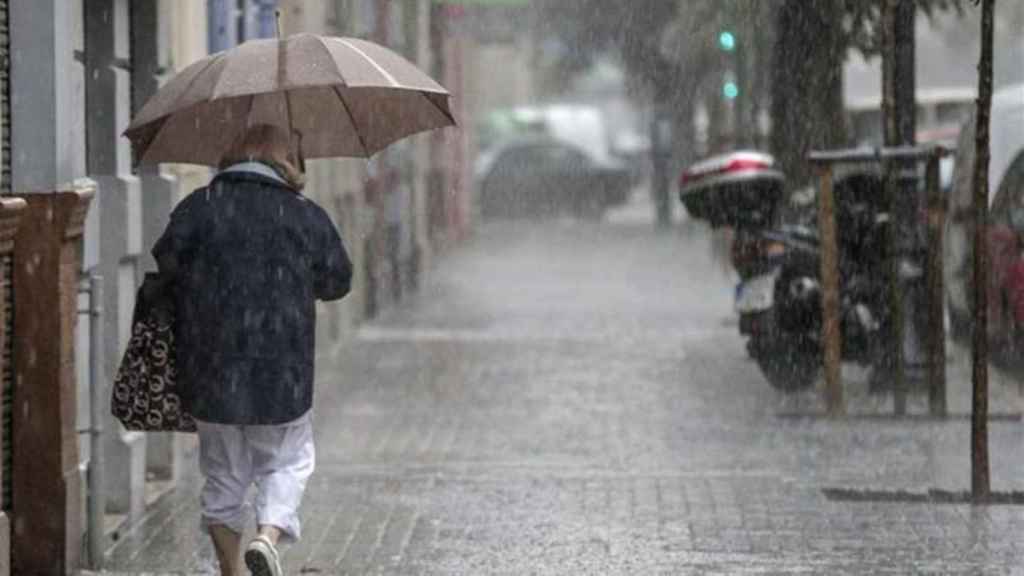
(45,509)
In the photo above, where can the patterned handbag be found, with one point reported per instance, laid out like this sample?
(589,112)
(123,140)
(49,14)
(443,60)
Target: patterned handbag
(146,394)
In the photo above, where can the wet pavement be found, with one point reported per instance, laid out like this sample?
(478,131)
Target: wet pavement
(573,398)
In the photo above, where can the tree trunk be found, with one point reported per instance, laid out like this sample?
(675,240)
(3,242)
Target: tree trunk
(906,203)
(980,486)
(807,87)
(899,126)
(905,77)
(742,105)
(761,66)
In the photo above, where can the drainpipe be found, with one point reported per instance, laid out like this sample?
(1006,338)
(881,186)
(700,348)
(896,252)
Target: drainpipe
(97,402)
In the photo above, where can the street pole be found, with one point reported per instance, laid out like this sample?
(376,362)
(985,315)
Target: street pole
(759,85)
(980,481)
(661,149)
(742,126)
(98,402)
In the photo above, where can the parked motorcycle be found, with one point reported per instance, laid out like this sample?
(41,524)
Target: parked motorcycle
(777,254)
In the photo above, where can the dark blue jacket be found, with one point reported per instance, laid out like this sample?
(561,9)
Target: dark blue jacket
(247,258)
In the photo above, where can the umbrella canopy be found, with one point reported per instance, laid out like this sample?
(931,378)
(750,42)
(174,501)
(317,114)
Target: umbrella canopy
(345,96)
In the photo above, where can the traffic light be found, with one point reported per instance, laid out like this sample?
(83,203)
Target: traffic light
(730,90)
(727,41)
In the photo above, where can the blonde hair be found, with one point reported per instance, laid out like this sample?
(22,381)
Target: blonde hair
(271,145)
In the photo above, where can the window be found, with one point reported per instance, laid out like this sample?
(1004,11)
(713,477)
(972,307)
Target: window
(241,14)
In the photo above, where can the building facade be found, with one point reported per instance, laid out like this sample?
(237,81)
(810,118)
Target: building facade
(80,69)
(77,72)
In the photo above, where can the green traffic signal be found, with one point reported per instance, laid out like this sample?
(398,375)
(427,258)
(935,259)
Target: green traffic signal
(730,90)
(727,41)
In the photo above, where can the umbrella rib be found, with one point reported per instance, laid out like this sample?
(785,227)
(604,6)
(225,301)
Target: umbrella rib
(352,118)
(330,57)
(446,114)
(166,118)
(191,82)
(248,115)
(248,111)
(387,76)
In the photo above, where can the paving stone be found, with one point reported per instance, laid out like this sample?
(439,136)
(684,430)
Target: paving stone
(574,399)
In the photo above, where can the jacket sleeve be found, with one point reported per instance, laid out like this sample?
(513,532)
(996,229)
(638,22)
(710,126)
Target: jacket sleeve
(332,269)
(172,248)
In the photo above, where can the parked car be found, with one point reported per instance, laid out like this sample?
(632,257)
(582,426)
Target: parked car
(541,176)
(1006,200)
(581,125)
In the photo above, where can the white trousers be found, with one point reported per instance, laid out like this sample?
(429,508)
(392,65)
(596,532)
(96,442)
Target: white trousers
(277,459)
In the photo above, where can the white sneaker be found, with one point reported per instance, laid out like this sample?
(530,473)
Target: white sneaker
(261,558)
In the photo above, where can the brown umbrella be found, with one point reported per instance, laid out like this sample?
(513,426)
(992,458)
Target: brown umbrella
(345,96)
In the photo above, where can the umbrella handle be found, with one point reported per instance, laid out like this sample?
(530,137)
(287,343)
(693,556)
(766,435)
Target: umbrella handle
(300,158)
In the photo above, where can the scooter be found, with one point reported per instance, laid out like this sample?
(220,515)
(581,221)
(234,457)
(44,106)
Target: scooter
(777,255)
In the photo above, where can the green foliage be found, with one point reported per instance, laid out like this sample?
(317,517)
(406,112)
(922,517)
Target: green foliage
(862,18)
(580,30)
(586,28)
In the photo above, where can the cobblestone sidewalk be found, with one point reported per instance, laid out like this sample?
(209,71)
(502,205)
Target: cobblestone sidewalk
(574,399)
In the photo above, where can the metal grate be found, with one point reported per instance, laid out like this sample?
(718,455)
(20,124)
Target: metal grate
(6,269)
(7,380)
(5,99)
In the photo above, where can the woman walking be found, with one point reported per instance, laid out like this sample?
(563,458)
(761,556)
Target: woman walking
(248,256)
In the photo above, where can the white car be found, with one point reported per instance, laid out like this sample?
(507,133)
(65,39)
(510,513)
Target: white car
(1006,190)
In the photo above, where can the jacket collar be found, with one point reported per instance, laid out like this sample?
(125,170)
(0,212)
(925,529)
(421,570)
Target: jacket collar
(244,176)
(256,167)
